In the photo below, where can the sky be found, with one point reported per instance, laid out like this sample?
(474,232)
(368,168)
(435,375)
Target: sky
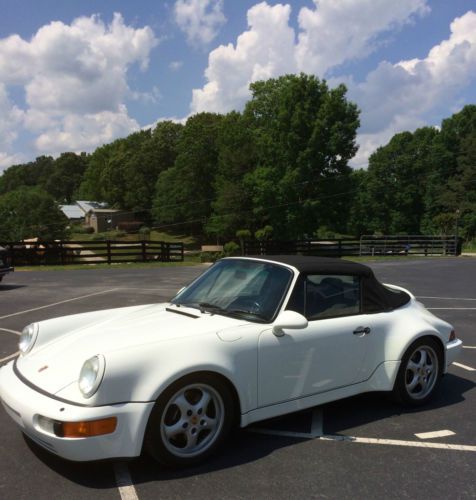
(77,74)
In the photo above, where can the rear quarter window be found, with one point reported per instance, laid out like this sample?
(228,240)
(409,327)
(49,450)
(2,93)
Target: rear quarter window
(322,296)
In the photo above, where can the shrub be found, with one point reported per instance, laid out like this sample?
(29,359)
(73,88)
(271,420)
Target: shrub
(211,256)
(264,233)
(231,248)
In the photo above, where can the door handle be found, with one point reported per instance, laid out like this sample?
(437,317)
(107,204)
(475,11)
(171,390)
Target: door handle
(360,329)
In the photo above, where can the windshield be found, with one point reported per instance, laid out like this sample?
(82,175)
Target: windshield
(235,287)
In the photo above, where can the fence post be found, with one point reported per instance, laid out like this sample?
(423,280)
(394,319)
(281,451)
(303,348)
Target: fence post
(61,253)
(144,251)
(108,246)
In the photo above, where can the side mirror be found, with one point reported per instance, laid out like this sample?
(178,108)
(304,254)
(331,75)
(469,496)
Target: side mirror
(288,320)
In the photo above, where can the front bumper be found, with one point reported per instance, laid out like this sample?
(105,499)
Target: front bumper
(25,405)
(453,350)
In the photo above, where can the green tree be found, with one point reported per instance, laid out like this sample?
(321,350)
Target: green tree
(35,173)
(236,158)
(391,200)
(459,199)
(359,201)
(447,148)
(124,173)
(184,192)
(66,176)
(30,212)
(92,187)
(305,135)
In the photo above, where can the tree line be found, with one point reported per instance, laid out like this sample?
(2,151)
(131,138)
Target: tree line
(278,169)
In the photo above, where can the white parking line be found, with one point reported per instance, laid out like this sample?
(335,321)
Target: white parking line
(469,347)
(58,303)
(444,298)
(354,439)
(465,367)
(451,308)
(397,442)
(435,434)
(10,331)
(124,482)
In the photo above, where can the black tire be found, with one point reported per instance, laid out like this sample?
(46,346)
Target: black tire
(418,377)
(166,416)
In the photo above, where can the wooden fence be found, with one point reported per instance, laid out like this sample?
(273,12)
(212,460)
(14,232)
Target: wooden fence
(365,246)
(92,252)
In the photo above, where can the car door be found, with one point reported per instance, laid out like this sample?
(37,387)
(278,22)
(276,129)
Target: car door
(327,354)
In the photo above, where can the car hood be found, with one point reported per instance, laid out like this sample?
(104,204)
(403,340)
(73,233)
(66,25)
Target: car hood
(57,363)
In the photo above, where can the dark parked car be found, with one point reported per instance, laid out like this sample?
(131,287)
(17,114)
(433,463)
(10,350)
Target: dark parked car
(5,267)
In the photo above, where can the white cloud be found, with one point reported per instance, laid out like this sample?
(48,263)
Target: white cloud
(397,97)
(11,118)
(7,160)
(264,51)
(200,20)
(152,97)
(75,76)
(175,119)
(335,32)
(330,34)
(175,65)
(84,132)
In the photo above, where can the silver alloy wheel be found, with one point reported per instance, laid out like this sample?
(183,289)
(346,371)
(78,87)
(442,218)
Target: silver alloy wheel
(192,420)
(421,372)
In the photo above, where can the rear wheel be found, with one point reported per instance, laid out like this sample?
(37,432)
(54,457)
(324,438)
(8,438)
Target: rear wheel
(190,420)
(419,373)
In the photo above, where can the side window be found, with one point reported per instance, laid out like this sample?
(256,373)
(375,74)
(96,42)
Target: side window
(328,296)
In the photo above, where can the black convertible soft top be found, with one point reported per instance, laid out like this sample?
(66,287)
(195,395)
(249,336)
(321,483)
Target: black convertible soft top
(375,296)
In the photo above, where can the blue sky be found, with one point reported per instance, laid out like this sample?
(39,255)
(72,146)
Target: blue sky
(77,74)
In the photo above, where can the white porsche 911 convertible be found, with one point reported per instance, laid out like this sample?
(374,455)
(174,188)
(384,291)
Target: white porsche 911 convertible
(251,338)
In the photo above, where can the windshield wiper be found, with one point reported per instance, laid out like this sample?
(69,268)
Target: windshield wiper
(230,312)
(207,306)
(215,308)
(245,311)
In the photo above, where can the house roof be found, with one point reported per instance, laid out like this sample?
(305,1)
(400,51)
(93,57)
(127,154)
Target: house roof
(86,206)
(105,210)
(72,211)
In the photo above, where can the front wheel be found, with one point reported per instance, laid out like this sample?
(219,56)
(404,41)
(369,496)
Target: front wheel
(419,373)
(190,420)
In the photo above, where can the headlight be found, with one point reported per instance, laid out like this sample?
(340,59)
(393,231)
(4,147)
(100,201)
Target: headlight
(91,375)
(28,338)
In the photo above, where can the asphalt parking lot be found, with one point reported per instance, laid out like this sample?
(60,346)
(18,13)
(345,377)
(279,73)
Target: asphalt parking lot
(362,447)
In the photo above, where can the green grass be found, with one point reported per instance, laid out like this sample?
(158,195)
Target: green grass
(187,240)
(470,246)
(189,261)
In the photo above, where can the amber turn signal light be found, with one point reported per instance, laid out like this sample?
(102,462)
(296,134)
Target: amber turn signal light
(87,428)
